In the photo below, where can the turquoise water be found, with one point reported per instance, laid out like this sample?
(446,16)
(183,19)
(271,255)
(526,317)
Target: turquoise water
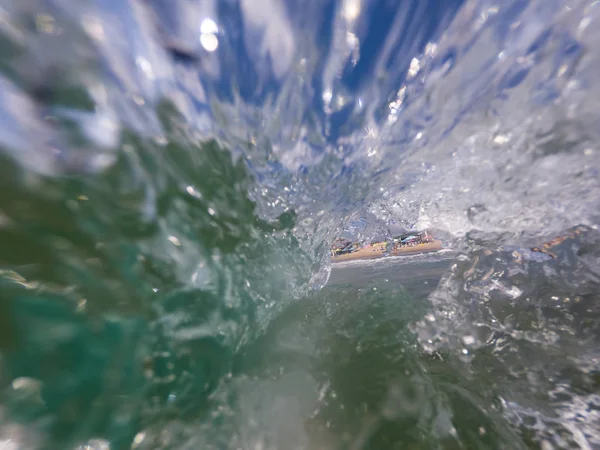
(173,173)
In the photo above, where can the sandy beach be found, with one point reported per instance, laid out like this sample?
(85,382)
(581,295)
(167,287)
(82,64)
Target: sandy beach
(375,252)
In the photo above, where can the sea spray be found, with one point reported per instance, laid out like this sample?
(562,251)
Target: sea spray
(172,175)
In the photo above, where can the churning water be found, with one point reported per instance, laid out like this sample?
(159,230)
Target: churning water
(173,172)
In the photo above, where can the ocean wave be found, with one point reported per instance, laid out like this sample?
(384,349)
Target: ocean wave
(173,173)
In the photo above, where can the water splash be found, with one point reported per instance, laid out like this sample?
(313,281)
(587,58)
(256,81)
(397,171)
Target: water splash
(172,173)
(532,318)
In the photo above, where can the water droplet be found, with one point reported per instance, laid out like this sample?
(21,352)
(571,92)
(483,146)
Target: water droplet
(208,35)
(208,26)
(81,305)
(95,444)
(351,10)
(193,192)
(174,241)
(145,66)
(138,439)
(468,340)
(431,49)
(26,384)
(209,42)
(414,68)
(500,139)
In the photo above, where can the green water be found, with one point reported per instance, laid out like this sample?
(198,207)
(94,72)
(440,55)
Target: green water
(341,369)
(344,369)
(125,294)
(148,306)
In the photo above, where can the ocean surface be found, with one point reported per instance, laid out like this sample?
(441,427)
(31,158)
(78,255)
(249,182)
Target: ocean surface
(173,172)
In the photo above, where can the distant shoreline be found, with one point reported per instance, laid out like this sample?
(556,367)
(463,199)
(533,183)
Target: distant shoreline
(375,253)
